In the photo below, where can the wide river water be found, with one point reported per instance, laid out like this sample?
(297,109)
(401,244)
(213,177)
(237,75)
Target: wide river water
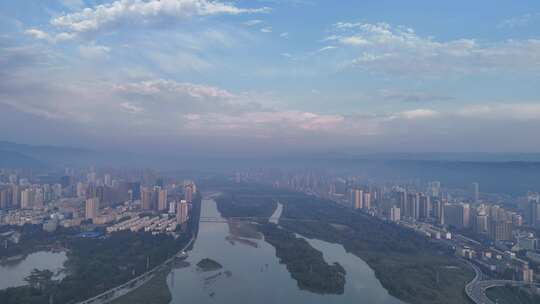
(254,275)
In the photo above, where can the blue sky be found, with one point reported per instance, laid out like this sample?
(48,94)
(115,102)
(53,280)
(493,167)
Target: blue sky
(258,76)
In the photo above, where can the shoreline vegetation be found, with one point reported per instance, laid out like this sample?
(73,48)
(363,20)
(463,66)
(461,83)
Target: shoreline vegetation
(409,266)
(206,265)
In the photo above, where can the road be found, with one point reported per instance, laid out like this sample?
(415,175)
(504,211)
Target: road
(476,289)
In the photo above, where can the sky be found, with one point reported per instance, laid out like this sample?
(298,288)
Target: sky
(272,76)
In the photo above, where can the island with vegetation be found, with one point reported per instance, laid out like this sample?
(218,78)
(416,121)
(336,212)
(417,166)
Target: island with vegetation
(408,265)
(305,263)
(208,265)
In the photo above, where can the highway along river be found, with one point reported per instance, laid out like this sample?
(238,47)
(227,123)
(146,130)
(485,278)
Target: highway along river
(251,272)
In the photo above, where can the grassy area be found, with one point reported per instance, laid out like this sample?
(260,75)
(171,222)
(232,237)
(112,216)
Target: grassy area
(154,291)
(512,295)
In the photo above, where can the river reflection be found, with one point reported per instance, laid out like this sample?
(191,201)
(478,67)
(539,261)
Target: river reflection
(254,275)
(12,274)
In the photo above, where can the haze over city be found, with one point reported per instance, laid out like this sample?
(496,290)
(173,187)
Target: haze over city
(268,76)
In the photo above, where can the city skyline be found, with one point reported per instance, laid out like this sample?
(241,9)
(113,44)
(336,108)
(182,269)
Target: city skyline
(271,77)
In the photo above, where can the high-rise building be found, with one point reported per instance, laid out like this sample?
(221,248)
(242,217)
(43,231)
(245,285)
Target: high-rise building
(366,201)
(27,198)
(533,215)
(403,205)
(16,196)
(146,198)
(162,199)
(135,189)
(182,212)
(480,222)
(39,198)
(92,208)
(457,215)
(172,207)
(435,189)
(189,189)
(5,197)
(517,220)
(358,198)
(500,230)
(395,215)
(466,209)
(476,193)
(413,208)
(425,206)
(438,211)
(107,180)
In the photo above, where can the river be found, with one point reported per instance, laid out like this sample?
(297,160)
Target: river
(254,275)
(12,274)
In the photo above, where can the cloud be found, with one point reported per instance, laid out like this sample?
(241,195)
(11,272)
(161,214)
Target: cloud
(38,34)
(141,110)
(173,88)
(267,29)
(267,123)
(73,4)
(503,112)
(41,35)
(131,108)
(93,51)
(327,48)
(392,95)
(253,22)
(381,47)
(519,21)
(140,13)
(418,114)
(284,35)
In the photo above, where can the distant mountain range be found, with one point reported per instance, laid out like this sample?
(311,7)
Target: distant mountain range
(514,173)
(27,156)
(13,159)
(438,156)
